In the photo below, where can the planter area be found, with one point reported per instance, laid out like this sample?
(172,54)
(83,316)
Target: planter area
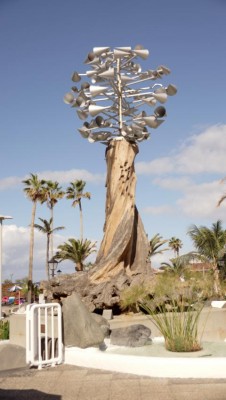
(154,360)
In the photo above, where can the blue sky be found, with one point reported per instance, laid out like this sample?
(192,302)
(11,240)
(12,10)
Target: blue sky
(41,43)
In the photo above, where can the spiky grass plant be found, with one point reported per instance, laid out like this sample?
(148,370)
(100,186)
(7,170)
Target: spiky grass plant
(179,326)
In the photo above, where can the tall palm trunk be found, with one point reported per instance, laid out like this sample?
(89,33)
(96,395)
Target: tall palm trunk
(47,257)
(216,280)
(31,254)
(81,220)
(51,235)
(79,266)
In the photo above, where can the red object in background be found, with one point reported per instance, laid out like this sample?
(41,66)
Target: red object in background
(5,299)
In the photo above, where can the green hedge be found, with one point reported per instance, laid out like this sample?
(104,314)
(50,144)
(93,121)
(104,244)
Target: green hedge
(4,330)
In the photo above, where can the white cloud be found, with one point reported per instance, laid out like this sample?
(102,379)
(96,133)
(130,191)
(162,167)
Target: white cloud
(63,177)
(158,210)
(10,182)
(173,183)
(196,199)
(204,152)
(201,153)
(156,167)
(201,201)
(71,175)
(16,242)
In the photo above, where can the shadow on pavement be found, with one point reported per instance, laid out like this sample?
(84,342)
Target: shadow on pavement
(26,395)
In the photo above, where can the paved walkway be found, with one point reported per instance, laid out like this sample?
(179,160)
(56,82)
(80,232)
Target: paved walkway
(66,382)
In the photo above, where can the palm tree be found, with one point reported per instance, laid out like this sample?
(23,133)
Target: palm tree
(47,229)
(53,193)
(177,266)
(175,244)
(75,192)
(76,251)
(154,245)
(209,242)
(34,190)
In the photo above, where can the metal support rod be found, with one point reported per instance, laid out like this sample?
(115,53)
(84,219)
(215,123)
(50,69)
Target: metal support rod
(2,218)
(119,84)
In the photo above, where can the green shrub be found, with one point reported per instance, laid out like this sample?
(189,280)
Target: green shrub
(132,296)
(4,330)
(179,326)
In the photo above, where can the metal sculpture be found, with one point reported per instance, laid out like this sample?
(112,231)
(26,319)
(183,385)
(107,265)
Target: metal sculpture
(115,105)
(111,102)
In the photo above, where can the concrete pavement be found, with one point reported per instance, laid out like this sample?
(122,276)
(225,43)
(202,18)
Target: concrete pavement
(66,382)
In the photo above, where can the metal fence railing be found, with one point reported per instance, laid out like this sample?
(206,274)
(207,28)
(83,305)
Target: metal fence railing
(44,334)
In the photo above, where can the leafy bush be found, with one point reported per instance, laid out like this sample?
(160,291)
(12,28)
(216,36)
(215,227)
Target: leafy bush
(4,330)
(132,296)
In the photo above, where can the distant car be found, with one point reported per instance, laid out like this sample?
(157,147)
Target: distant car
(5,300)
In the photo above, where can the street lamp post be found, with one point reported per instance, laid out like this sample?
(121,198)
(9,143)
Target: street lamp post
(53,266)
(2,218)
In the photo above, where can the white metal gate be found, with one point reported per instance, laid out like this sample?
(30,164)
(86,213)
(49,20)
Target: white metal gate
(44,334)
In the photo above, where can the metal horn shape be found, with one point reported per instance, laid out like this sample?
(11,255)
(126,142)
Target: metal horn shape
(136,67)
(80,101)
(68,98)
(171,90)
(85,85)
(125,78)
(82,114)
(96,90)
(101,135)
(84,132)
(90,139)
(143,53)
(99,121)
(152,121)
(150,101)
(91,59)
(165,70)
(91,73)
(161,97)
(98,136)
(141,114)
(100,50)
(160,111)
(75,77)
(109,74)
(92,124)
(95,110)
(120,52)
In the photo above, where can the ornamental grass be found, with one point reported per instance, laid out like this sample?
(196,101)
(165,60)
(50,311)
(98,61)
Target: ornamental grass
(179,326)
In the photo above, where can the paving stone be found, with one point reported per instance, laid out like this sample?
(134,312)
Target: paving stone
(73,383)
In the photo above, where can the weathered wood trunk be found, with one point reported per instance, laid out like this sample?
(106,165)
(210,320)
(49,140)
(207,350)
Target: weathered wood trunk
(124,247)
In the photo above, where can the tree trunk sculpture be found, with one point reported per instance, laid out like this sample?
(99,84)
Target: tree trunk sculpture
(124,248)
